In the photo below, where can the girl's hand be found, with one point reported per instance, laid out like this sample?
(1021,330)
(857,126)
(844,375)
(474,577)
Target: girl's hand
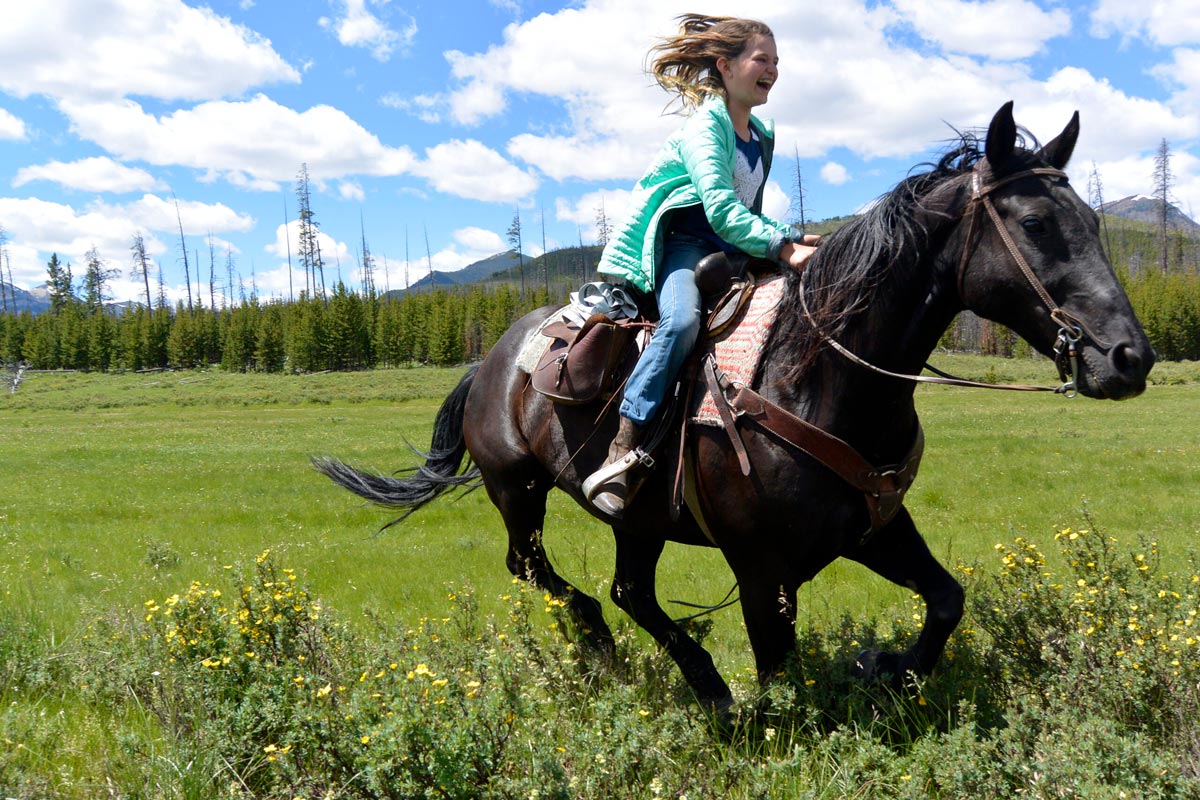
(797,255)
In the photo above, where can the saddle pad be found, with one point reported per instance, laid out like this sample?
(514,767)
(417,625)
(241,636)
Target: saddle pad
(739,348)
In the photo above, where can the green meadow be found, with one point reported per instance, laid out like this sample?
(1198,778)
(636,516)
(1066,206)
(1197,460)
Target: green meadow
(126,488)
(119,487)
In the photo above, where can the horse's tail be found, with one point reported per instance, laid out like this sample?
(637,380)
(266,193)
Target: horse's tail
(439,472)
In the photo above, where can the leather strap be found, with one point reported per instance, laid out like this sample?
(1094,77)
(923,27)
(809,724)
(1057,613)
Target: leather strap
(883,488)
(716,385)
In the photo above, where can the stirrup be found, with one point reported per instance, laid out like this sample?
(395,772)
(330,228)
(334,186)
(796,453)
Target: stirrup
(596,481)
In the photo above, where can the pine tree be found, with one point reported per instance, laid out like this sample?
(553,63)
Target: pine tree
(59,284)
(514,241)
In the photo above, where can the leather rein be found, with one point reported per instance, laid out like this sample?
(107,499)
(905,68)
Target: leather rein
(884,488)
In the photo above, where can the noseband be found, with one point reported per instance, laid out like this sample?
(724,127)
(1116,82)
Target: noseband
(1071,329)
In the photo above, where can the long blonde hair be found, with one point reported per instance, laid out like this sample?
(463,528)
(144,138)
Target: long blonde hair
(686,64)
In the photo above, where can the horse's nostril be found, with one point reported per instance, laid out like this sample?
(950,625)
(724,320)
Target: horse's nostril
(1124,359)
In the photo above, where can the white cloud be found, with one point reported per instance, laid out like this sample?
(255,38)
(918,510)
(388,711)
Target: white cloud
(834,174)
(1000,29)
(254,143)
(1162,22)
(425,107)
(846,81)
(562,157)
(106,49)
(481,240)
(36,228)
(11,126)
(350,190)
(473,170)
(585,210)
(162,214)
(356,26)
(776,203)
(96,174)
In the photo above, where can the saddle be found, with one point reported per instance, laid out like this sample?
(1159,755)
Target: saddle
(588,361)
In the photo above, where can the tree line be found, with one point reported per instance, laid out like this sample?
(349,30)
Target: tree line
(350,330)
(346,330)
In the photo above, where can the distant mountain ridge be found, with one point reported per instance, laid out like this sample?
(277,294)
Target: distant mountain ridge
(473,273)
(1141,208)
(35,300)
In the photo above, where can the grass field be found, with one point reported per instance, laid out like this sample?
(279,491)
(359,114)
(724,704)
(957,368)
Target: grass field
(122,488)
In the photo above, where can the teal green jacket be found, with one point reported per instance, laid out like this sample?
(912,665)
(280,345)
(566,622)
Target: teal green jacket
(695,165)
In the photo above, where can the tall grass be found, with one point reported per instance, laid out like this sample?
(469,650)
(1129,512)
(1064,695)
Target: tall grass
(120,489)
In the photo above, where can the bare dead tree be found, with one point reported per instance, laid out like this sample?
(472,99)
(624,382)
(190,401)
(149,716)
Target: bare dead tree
(140,266)
(1163,179)
(1096,200)
(798,196)
(187,278)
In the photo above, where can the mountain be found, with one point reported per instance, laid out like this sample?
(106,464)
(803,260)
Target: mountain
(1146,209)
(472,273)
(36,299)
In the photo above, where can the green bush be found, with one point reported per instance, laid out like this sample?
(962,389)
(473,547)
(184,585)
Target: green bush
(1072,675)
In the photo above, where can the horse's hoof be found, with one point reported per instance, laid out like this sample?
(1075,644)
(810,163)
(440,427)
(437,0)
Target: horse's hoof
(874,666)
(722,713)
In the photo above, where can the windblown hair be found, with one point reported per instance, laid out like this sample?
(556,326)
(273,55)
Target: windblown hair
(895,234)
(686,64)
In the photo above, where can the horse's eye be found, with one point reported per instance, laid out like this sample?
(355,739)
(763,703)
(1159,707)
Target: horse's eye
(1033,226)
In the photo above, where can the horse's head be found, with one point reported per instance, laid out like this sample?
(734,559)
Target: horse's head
(1033,261)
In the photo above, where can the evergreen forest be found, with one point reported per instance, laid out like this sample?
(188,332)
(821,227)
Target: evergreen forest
(346,328)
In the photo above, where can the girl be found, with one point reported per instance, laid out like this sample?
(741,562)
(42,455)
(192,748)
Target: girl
(702,193)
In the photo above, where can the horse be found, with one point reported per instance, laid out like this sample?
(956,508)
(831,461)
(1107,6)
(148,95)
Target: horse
(993,227)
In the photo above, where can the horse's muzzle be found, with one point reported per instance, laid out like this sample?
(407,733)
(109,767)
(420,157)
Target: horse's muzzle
(1119,373)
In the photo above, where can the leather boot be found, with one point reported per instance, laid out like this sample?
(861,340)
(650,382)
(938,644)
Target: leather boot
(611,488)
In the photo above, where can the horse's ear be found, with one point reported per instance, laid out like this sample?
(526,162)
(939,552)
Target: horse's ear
(1001,137)
(1058,152)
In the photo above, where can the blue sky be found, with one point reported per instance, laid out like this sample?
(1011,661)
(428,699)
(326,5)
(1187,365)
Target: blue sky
(443,120)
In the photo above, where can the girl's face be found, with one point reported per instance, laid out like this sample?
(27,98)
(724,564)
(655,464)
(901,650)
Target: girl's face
(749,77)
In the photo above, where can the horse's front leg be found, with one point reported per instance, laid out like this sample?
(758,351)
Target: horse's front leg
(634,593)
(899,554)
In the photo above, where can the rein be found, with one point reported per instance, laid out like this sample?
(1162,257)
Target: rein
(1071,329)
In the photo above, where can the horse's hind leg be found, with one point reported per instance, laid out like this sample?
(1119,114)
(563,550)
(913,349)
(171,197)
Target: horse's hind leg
(521,498)
(633,592)
(899,554)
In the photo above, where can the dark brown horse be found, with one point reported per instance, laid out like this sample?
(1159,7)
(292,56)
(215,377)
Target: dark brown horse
(996,230)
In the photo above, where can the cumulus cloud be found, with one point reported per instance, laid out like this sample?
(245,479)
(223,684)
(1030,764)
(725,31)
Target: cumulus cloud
(846,81)
(834,173)
(288,235)
(585,210)
(255,143)
(999,29)
(168,50)
(1162,22)
(38,227)
(356,26)
(350,190)
(96,174)
(469,168)
(480,240)
(11,126)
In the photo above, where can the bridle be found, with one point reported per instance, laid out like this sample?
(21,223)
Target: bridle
(1071,328)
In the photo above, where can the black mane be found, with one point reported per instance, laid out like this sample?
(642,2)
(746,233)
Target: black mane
(892,235)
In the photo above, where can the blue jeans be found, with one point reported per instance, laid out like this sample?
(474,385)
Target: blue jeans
(678,327)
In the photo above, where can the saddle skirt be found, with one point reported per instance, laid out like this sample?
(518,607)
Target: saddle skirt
(738,348)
